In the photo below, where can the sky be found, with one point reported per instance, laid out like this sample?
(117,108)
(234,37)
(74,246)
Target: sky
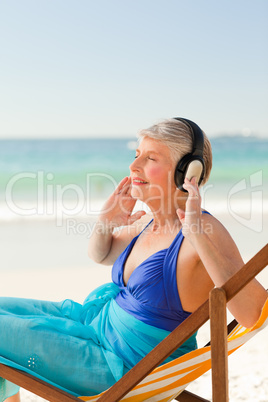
(108,68)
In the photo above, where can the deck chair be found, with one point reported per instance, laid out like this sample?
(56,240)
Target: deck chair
(148,381)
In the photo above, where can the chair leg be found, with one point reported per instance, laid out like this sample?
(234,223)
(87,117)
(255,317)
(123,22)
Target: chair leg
(219,355)
(187,396)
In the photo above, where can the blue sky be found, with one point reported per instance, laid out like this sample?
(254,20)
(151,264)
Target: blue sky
(110,67)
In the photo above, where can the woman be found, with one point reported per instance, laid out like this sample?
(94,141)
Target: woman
(163,269)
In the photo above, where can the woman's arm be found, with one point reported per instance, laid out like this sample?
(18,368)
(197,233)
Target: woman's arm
(220,256)
(105,244)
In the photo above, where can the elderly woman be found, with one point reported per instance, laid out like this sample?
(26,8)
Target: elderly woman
(164,267)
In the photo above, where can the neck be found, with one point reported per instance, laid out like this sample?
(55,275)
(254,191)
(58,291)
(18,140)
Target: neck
(166,214)
(165,222)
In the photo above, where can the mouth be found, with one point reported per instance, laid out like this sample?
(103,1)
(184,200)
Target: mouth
(138,182)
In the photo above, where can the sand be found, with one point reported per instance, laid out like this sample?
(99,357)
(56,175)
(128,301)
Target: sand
(40,260)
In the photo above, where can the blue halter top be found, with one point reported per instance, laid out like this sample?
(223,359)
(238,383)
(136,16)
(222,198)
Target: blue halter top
(151,294)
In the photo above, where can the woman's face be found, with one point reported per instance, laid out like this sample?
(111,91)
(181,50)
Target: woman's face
(152,173)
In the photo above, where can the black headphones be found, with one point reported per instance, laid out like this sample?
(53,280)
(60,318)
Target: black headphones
(191,165)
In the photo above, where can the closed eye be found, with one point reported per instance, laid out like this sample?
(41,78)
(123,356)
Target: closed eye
(148,157)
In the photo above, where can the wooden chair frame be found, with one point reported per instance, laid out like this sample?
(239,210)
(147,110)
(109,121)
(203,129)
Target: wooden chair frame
(214,308)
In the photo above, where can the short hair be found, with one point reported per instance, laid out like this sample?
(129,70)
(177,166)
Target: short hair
(178,137)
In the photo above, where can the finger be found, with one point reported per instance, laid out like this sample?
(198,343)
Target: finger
(181,214)
(189,187)
(121,185)
(194,181)
(136,216)
(192,188)
(127,187)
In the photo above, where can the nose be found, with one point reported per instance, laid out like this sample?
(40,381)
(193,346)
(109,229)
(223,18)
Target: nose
(135,165)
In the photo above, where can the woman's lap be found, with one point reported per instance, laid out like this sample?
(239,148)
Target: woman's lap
(45,338)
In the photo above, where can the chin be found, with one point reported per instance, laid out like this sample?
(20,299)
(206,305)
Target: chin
(136,193)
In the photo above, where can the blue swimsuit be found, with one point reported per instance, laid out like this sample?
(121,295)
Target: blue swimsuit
(151,294)
(85,348)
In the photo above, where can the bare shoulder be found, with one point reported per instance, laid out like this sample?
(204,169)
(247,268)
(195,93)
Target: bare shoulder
(220,236)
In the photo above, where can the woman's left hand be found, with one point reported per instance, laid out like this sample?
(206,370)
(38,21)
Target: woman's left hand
(191,217)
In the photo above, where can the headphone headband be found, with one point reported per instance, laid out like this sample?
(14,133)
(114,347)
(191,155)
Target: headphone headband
(198,138)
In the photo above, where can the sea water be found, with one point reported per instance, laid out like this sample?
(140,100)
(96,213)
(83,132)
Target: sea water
(58,178)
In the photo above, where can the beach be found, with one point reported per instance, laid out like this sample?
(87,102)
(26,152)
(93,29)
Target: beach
(43,261)
(51,192)
(82,84)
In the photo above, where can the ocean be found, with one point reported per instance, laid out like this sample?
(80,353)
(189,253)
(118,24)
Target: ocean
(51,192)
(42,178)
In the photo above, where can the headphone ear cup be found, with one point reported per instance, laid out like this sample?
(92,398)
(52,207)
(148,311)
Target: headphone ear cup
(195,169)
(180,171)
(179,180)
(189,166)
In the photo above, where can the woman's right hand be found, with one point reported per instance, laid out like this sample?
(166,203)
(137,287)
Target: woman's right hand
(117,210)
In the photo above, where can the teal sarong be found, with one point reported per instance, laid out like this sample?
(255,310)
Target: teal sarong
(81,348)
